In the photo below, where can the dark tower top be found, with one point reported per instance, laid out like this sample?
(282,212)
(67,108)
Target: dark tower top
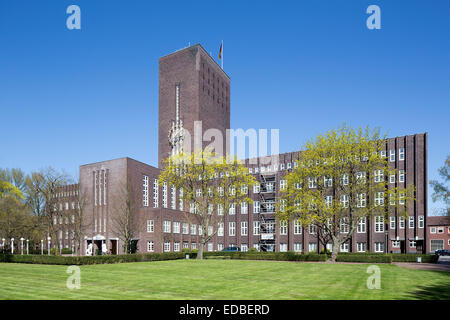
(192,87)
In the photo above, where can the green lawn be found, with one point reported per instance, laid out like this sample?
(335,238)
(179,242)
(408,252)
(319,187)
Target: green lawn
(221,279)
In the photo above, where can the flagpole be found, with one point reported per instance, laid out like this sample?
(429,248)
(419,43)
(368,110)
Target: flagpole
(222,55)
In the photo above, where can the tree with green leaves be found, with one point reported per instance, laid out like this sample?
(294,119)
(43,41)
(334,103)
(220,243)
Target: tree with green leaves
(210,185)
(442,189)
(341,179)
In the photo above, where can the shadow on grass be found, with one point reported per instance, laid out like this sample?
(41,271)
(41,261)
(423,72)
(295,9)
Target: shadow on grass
(432,292)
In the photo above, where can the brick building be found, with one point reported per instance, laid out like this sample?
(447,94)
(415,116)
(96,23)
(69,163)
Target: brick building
(438,233)
(194,88)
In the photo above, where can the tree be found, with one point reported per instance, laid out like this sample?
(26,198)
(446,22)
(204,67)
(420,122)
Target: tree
(124,218)
(78,221)
(211,185)
(52,213)
(441,190)
(341,178)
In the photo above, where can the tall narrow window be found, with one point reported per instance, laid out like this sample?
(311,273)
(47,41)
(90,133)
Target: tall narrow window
(173,202)
(165,195)
(401,154)
(155,194)
(145,191)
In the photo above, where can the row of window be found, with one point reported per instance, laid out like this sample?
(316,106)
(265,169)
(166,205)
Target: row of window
(439,229)
(193,229)
(288,165)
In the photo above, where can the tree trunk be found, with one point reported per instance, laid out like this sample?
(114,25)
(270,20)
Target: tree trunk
(200,252)
(335,251)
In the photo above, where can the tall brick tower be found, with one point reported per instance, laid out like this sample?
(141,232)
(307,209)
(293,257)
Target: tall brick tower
(192,87)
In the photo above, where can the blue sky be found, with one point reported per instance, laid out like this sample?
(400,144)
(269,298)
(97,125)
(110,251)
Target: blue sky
(70,97)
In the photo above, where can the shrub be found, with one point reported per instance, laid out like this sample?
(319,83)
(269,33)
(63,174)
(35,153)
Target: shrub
(373,258)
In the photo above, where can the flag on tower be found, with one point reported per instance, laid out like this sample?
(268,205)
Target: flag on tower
(220,51)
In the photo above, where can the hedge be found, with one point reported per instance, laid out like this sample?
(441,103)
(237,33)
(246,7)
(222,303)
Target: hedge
(373,258)
(76,260)
(276,256)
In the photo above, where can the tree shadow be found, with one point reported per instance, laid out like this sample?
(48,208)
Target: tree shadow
(439,291)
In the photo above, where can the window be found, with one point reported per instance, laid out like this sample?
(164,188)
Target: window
(166,226)
(440,230)
(176,227)
(422,223)
(297,247)
(312,229)
(379,199)
(312,247)
(244,228)
(194,245)
(392,155)
(379,224)
(210,246)
(361,246)
(328,182)
(411,222)
(200,230)
(283,227)
(436,244)
(180,200)
(395,243)
(361,177)
(312,183)
(176,246)
(283,247)
(256,246)
(232,209)
(145,191)
(401,222)
(220,230)
(173,202)
(289,165)
(165,195)
(220,209)
(401,175)
(329,201)
(256,227)
(392,222)
(401,154)
(244,207)
(232,228)
(401,198)
(361,200)
(155,193)
(244,247)
(297,227)
(412,243)
(210,208)
(344,226)
(379,246)
(392,178)
(378,176)
(193,229)
(344,180)
(344,200)
(344,247)
(383,153)
(256,207)
(150,246)
(256,188)
(219,246)
(150,226)
(166,246)
(433,230)
(185,228)
(283,184)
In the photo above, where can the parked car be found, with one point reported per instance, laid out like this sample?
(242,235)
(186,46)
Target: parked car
(231,249)
(442,252)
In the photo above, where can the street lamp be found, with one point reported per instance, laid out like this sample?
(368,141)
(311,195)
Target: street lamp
(27,246)
(12,245)
(42,247)
(48,245)
(21,245)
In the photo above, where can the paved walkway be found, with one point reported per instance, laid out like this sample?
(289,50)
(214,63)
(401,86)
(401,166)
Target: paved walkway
(425,266)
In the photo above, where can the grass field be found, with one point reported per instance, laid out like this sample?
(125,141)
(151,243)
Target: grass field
(221,279)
